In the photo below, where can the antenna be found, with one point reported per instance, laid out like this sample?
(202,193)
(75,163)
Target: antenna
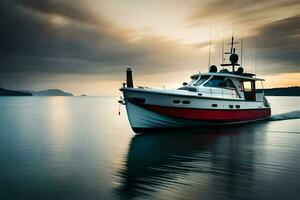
(242,52)
(223,47)
(255,57)
(232,43)
(233,56)
(209,47)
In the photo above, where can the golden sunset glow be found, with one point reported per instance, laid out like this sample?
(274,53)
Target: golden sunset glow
(84,46)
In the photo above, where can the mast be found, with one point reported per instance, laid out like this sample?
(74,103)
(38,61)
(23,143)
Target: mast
(209,48)
(255,58)
(223,48)
(242,52)
(233,58)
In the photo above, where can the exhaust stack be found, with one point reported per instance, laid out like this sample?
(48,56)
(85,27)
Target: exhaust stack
(129,80)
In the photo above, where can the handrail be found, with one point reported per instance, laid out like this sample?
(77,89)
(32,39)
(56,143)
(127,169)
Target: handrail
(219,93)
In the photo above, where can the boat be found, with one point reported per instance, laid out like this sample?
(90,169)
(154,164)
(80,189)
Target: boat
(215,98)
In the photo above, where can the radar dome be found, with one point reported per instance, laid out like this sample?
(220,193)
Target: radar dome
(234,58)
(213,69)
(239,71)
(224,71)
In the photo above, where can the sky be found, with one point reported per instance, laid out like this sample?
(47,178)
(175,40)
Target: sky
(84,46)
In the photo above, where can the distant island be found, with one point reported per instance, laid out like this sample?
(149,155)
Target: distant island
(288,91)
(5,92)
(49,92)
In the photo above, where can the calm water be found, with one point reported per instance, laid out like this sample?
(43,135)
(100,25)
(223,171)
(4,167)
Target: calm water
(79,148)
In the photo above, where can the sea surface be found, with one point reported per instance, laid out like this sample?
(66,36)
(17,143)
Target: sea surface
(80,148)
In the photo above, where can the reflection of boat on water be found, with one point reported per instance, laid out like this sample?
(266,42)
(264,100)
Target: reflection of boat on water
(156,161)
(214,98)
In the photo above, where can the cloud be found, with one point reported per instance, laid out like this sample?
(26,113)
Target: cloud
(273,25)
(278,45)
(53,39)
(247,14)
(73,9)
(70,37)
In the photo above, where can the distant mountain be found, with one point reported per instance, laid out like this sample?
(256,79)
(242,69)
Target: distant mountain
(288,91)
(5,92)
(50,92)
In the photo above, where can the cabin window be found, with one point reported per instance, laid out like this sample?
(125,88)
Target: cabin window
(176,101)
(217,81)
(249,90)
(247,86)
(201,80)
(186,102)
(229,84)
(214,105)
(220,82)
(230,106)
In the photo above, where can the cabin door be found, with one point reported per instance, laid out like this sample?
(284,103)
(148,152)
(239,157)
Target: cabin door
(249,88)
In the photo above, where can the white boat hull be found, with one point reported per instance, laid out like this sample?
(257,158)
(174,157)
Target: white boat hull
(142,119)
(148,110)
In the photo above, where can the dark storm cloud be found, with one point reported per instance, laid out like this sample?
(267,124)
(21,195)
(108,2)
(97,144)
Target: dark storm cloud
(249,12)
(66,37)
(70,37)
(73,9)
(279,42)
(29,41)
(273,25)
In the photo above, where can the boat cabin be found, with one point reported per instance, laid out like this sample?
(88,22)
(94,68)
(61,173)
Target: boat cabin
(225,85)
(233,84)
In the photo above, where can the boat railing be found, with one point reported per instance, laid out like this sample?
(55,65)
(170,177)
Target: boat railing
(156,87)
(210,93)
(214,93)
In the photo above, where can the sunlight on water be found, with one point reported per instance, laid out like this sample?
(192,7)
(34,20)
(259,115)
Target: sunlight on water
(80,148)
(59,120)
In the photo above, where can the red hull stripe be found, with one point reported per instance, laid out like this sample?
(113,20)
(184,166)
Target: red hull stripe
(211,115)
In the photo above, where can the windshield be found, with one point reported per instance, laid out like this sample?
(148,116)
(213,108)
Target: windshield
(220,82)
(201,80)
